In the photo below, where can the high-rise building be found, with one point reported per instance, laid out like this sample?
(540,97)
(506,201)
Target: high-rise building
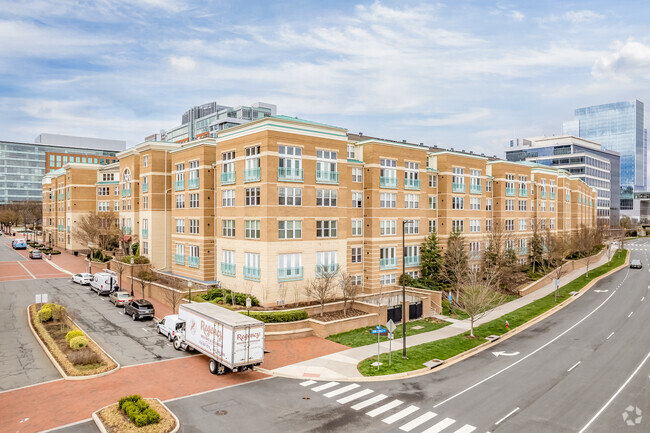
(597,167)
(617,126)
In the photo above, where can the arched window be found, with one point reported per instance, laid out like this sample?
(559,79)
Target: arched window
(126,178)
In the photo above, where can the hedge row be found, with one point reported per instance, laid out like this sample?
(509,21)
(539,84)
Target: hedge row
(138,410)
(137,260)
(278,316)
(225,296)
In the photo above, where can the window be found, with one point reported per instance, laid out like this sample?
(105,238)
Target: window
(194,254)
(252,229)
(510,244)
(432,202)
(291,264)
(432,226)
(116,205)
(411,201)
(228,198)
(351,151)
(388,200)
(475,179)
(326,261)
(552,206)
(510,205)
(387,279)
(551,223)
(356,254)
(357,174)
(413,274)
(180,225)
(194,169)
(412,251)
(510,225)
(325,163)
(228,162)
(522,205)
(252,196)
(194,226)
(289,229)
(357,280)
(510,181)
(388,169)
(145,160)
(145,202)
(252,161)
(474,250)
(458,176)
(432,181)
(290,196)
(543,206)
(474,226)
(326,197)
(145,248)
(488,204)
(412,227)
(103,206)
(252,261)
(357,227)
(180,201)
(116,190)
(180,251)
(357,199)
(180,172)
(522,225)
(290,162)
(194,200)
(458,226)
(523,244)
(523,183)
(475,203)
(388,253)
(488,186)
(228,228)
(412,172)
(326,229)
(103,190)
(228,257)
(387,227)
(108,177)
(458,203)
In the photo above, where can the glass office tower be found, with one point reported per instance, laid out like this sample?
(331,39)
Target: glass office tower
(619,127)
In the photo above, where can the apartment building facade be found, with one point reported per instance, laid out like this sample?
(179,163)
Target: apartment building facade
(270,205)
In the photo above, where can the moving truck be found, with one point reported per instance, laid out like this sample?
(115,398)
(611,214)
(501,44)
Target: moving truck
(233,341)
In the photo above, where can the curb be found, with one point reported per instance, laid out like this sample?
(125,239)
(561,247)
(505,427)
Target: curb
(100,424)
(56,363)
(57,267)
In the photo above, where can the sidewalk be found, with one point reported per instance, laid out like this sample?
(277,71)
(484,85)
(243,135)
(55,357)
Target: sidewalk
(343,365)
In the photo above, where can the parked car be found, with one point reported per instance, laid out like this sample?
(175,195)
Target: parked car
(636,264)
(120,298)
(84,278)
(35,254)
(169,326)
(101,283)
(139,309)
(19,244)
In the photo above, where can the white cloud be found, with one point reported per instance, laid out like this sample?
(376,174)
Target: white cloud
(517,16)
(183,63)
(629,61)
(452,119)
(583,16)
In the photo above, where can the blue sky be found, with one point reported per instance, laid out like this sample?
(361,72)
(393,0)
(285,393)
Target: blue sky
(464,74)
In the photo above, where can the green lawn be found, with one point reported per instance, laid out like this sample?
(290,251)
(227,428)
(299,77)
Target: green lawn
(449,347)
(363,337)
(461,315)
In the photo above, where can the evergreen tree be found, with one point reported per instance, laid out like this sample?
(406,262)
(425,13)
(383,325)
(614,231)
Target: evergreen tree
(430,257)
(536,248)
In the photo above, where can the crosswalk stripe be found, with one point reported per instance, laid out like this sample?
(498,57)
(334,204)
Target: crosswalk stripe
(308,382)
(355,396)
(401,414)
(417,421)
(341,390)
(368,402)
(440,426)
(326,386)
(466,429)
(381,409)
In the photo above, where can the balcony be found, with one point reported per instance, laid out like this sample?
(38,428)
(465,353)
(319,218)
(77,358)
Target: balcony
(457,187)
(387,182)
(474,255)
(179,185)
(145,233)
(411,261)
(126,192)
(543,194)
(228,269)
(290,174)
(411,183)
(59,228)
(290,274)
(179,259)
(510,192)
(323,270)
(552,195)
(193,261)
(126,230)
(523,192)
(251,273)
(389,263)
(193,183)
(60,196)
(68,229)
(523,251)
(475,189)
(327,176)
(67,195)
(252,174)
(228,178)
(145,187)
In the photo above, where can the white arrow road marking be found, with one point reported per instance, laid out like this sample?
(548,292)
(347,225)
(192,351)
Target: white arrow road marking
(497,354)
(24,420)
(145,329)
(630,315)
(601,291)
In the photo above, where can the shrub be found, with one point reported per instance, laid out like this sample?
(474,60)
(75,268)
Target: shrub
(215,295)
(138,410)
(45,313)
(78,343)
(137,260)
(55,252)
(72,334)
(152,415)
(279,316)
(84,356)
(141,420)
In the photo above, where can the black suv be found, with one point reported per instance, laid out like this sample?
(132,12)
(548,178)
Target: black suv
(139,309)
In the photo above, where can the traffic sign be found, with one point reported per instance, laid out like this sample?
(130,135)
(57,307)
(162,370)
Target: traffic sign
(379,331)
(391,325)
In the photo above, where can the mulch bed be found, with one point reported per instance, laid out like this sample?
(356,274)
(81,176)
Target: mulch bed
(115,421)
(337,315)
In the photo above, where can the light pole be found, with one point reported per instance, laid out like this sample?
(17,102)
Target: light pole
(189,288)
(131,276)
(404,222)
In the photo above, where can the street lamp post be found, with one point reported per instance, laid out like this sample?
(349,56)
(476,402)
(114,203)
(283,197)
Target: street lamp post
(132,276)
(404,222)
(189,288)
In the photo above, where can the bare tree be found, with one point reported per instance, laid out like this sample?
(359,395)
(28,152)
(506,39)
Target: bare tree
(9,218)
(349,290)
(455,261)
(174,298)
(144,278)
(322,288)
(119,267)
(500,257)
(283,289)
(557,249)
(478,296)
(586,240)
(97,229)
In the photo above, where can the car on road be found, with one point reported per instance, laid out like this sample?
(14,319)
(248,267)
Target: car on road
(84,278)
(139,309)
(35,254)
(169,326)
(101,283)
(120,298)
(19,244)
(636,264)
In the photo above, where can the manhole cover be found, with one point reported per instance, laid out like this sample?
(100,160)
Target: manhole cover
(221,412)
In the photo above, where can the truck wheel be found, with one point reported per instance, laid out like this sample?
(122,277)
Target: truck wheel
(177,343)
(216,368)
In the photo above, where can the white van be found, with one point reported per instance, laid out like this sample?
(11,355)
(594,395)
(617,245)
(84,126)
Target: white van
(101,282)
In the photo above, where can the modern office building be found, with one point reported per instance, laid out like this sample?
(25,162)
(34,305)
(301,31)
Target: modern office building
(597,167)
(208,119)
(23,165)
(619,127)
(267,206)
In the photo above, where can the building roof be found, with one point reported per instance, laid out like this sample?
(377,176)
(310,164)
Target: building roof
(308,122)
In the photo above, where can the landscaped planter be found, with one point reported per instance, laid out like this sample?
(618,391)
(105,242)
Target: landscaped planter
(111,419)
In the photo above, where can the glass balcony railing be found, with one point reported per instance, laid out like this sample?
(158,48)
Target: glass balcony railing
(412,261)
(387,182)
(252,174)
(523,251)
(126,192)
(228,178)
(474,255)
(228,269)
(68,229)
(126,230)
(290,174)
(251,273)
(475,189)
(179,259)
(193,183)
(411,183)
(322,270)
(552,195)
(61,196)
(67,195)
(543,194)
(179,185)
(145,233)
(327,176)
(523,192)
(145,187)
(389,263)
(193,262)
(458,187)
(510,192)
(290,274)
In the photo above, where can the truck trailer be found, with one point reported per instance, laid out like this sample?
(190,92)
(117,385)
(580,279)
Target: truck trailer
(231,340)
